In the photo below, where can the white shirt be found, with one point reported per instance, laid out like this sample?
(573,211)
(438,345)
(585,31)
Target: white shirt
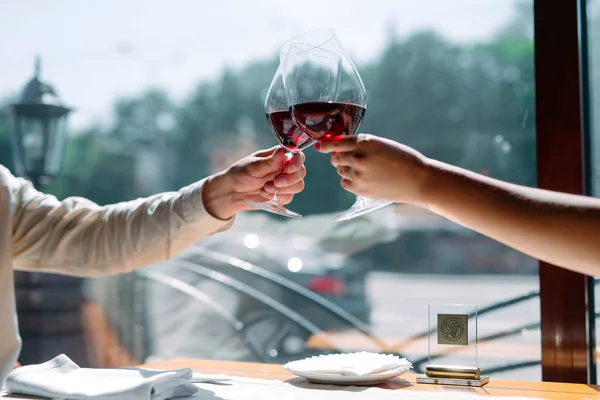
(77,237)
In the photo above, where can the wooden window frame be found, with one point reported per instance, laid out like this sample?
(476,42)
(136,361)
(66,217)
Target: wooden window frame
(562,132)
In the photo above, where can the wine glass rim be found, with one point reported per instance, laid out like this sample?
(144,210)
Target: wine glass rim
(328,54)
(295,39)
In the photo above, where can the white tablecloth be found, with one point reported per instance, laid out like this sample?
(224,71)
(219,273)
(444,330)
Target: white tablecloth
(251,389)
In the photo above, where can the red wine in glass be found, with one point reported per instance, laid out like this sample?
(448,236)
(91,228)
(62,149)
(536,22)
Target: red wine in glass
(327,95)
(326,119)
(286,131)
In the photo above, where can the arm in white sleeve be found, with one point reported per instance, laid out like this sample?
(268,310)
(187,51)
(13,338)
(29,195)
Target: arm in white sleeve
(78,237)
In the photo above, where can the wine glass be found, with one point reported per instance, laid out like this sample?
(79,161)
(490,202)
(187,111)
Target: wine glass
(287,134)
(326,99)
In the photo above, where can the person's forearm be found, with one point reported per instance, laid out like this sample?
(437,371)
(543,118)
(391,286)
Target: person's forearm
(218,198)
(558,228)
(78,237)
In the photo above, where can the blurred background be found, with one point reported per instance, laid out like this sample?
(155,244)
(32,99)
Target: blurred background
(165,93)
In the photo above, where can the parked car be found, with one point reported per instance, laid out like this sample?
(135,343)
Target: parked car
(281,292)
(255,293)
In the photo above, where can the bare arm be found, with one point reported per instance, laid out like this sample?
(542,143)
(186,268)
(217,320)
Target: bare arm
(558,228)
(555,227)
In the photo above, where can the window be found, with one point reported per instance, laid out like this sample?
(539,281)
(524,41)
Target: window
(593,73)
(169,95)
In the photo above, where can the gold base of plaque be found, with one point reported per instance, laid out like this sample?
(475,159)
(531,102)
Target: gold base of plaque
(454,381)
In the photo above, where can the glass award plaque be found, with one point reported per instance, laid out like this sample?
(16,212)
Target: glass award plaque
(452,344)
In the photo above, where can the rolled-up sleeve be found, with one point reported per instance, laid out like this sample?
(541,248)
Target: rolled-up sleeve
(78,237)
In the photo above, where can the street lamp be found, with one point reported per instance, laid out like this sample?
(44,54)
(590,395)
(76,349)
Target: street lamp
(37,124)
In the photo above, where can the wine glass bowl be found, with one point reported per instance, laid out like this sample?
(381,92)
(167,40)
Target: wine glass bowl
(287,134)
(326,95)
(280,120)
(315,93)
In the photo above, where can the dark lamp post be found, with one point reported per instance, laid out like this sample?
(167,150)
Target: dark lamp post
(37,125)
(49,307)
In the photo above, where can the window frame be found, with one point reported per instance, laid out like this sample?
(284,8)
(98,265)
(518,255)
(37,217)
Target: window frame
(562,133)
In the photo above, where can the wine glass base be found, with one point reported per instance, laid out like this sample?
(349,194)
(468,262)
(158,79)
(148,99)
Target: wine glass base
(274,208)
(362,207)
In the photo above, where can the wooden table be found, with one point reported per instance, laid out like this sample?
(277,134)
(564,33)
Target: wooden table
(496,387)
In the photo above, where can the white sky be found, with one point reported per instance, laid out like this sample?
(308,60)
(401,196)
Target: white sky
(96,51)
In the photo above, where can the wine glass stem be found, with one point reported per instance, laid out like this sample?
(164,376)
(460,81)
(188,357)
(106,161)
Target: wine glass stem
(361,201)
(275,200)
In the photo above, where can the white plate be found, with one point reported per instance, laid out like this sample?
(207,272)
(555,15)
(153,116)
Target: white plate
(359,363)
(372,379)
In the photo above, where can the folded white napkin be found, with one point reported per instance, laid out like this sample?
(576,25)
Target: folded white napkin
(62,378)
(355,364)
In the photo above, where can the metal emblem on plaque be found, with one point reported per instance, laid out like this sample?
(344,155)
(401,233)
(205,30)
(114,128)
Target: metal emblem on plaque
(453,329)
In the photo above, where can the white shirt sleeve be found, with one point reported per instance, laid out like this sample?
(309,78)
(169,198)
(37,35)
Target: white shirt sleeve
(78,237)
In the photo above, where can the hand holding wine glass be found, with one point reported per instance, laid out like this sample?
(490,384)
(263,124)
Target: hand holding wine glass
(253,179)
(290,138)
(378,168)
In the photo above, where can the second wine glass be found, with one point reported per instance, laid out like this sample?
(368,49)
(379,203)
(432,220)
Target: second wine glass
(311,62)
